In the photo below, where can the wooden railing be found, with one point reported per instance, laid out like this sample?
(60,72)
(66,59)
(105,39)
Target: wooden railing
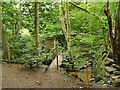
(61,51)
(55,54)
(53,51)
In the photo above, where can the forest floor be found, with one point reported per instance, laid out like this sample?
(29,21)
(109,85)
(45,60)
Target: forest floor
(18,76)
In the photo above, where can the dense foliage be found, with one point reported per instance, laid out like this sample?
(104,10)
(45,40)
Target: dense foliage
(86,36)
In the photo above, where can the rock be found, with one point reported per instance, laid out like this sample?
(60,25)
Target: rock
(105,85)
(114,77)
(116,72)
(44,67)
(109,59)
(26,75)
(110,69)
(37,82)
(116,66)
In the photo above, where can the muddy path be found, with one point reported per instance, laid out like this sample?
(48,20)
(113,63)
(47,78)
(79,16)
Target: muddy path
(18,76)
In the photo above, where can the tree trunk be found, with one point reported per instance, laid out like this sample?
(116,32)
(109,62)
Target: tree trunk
(37,27)
(66,33)
(0,23)
(103,30)
(117,30)
(0,33)
(18,25)
(4,40)
(62,19)
(68,25)
(5,46)
(12,15)
(114,38)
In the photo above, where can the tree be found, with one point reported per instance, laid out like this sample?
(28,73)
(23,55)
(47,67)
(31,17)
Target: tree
(5,45)
(114,37)
(12,16)
(4,40)
(37,27)
(0,23)
(68,24)
(18,25)
(66,33)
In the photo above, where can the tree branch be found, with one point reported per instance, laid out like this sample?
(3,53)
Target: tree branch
(85,10)
(79,7)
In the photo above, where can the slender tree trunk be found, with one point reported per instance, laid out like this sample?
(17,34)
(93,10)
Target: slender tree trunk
(37,27)
(62,20)
(117,30)
(19,17)
(68,25)
(12,15)
(16,25)
(107,12)
(0,23)
(108,38)
(118,20)
(4,40)
(5,45)
(12,26)
(66,33)
(104,37)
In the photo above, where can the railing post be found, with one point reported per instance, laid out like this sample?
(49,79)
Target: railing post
(53,54)
(57,62)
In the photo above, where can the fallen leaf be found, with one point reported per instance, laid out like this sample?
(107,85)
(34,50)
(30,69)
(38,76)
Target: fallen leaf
(84,75)
(72,72)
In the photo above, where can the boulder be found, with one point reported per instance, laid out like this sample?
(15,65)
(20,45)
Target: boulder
(116,66)
(110,69)
(115,77)
(110,60)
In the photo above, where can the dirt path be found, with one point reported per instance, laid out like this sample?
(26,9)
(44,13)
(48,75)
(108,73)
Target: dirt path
(17,76)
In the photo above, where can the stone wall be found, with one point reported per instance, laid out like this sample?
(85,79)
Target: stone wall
(49,43)
(112,72)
